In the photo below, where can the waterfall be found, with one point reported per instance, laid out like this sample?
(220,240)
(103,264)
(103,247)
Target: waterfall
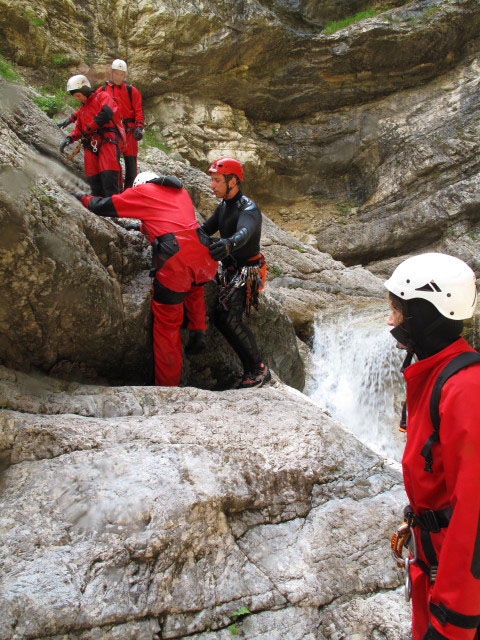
(356,377)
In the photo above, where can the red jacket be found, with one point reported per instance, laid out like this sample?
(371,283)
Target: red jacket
(98,112)
(454,481)
(163,210)
(131,110)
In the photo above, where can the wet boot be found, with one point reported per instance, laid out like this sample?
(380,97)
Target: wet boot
(196,342)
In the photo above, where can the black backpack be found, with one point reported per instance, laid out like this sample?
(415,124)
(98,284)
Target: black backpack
(461,361)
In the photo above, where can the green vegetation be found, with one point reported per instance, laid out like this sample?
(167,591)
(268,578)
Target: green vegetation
(34,19)
(236,616)
(42,193)
(275,270)
(345,208)
(151,139)
(54,101)
(6,71)
(299,249)
(336,25)
(59,59)
(429,11)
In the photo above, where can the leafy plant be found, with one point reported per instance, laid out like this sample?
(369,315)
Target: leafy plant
(299,249)
(59,59)
(53,100)
(235,617)
(336,25)
(275,270)
(6,71)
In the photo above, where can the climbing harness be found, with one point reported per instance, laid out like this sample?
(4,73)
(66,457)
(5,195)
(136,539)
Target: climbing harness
(229,286)
(249,276)
(428,522)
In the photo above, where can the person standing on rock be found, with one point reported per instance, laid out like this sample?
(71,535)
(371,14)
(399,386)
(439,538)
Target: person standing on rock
(430,296)
(129,102)
(242,273)
(99,127)
(181,263)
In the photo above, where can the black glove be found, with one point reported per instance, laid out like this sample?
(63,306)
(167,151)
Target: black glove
(77,194)
(134,227)
(65,143)
(64,123)
(221,249)
(138,133)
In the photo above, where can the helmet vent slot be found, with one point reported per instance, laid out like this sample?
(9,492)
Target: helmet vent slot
(430,286)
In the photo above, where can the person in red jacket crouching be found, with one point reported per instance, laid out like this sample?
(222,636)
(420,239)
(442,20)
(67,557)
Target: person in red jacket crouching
(181,263)
(98,125)
(430,296)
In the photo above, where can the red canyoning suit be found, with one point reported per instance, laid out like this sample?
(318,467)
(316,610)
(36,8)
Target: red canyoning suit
(129,102)
(98,124)
(182,260)
(454,482)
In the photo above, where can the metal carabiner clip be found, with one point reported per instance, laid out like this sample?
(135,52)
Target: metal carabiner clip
(94,144)
(412,547)
(400,539)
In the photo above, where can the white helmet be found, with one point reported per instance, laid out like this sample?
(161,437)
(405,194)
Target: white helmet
(447,282)
(120,65)
(143,177)
(76,83)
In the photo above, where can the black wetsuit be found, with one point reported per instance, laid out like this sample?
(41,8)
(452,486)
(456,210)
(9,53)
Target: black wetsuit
(229,217)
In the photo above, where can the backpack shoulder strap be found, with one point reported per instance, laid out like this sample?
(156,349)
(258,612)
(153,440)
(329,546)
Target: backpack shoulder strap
(456,364)
(129,89)
(461,361)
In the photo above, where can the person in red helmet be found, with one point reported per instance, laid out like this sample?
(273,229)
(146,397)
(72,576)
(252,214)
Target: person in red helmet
(430,296)
(242,277)
(100,129)
(181,263)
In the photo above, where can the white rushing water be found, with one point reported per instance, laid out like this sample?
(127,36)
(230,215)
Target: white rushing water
(356,378)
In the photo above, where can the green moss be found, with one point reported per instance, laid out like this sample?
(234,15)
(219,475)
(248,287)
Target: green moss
(429,11)
(275,270)
(7,72)
(153,139)
(336,25)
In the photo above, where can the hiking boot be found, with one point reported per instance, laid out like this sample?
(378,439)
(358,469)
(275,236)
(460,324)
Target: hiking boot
(256,378)
(196,342)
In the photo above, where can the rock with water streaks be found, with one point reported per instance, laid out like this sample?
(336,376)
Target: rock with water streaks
(165,511)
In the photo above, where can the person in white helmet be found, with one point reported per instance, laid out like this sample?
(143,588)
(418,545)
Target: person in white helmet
(129,101)
(98,125)
(181,263)
(430,296)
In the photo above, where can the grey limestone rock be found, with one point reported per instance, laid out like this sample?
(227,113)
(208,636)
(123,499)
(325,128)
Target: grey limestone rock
(162,512)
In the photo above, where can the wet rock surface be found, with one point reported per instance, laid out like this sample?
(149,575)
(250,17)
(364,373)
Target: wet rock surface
(141,513)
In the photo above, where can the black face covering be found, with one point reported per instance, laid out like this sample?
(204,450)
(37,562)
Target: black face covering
(424,330)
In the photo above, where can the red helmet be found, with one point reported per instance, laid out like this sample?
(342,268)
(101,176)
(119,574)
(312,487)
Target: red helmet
(227,166)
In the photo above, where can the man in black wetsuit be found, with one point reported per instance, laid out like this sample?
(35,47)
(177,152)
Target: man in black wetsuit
(239,221)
